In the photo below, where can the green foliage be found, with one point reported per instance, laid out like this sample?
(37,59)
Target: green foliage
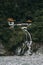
(36,30)
(20,9)
(38,15)
(11,37)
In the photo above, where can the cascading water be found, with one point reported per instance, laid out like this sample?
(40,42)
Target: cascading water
(28,43)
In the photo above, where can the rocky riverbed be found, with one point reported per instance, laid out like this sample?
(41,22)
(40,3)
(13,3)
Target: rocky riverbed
(35,59)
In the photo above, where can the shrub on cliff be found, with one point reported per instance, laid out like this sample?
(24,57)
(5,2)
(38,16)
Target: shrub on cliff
(11,37)
(36,30)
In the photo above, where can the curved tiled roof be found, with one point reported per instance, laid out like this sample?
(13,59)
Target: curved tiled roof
(29,21)
(11,19)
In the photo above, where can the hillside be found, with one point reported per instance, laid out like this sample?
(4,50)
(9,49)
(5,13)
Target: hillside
(20,10)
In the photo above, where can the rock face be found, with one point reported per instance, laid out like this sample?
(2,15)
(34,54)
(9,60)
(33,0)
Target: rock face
(2,50)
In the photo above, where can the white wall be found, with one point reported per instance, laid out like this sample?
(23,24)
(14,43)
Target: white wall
(11,24)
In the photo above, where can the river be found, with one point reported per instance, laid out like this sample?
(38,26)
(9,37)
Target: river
(35,59)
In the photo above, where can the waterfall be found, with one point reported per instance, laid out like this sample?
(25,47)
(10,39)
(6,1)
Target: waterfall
(18,51)
(28,43)
(29,36)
